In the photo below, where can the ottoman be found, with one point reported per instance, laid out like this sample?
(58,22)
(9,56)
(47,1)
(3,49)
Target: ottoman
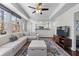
(37,48)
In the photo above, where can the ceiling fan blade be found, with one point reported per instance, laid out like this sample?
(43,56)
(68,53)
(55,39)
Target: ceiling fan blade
(41,13)
(45,9)
(32,7)
(34,12)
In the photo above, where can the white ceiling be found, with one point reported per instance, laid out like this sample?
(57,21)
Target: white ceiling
(55,10)
(36,16)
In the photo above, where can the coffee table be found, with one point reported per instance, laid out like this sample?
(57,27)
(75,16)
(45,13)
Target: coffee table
(37,48)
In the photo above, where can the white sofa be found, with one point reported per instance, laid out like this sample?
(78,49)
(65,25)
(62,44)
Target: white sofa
(8,48)
(32,36)
(12,48)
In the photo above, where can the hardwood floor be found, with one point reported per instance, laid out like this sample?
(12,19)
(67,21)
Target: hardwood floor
(73,53)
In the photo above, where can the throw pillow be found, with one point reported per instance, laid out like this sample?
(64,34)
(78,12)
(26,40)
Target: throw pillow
(13,38)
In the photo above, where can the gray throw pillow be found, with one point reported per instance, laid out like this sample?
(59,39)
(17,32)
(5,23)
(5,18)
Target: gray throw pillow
(24,35)
(13,38)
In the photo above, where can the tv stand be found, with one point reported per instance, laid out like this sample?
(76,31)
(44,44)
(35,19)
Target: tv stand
(64,42)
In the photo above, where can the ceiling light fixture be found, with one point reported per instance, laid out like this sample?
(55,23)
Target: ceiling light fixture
(38,11)
(39,8)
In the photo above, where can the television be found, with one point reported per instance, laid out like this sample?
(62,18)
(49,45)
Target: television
(77,41)
(63,31)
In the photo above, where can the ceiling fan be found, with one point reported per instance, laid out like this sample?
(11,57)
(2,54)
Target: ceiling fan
(39,8)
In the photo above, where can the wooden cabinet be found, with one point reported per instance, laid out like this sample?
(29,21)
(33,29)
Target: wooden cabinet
(64,42)
(56,38)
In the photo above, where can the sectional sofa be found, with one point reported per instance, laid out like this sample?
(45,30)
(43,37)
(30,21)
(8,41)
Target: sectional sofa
(8,48)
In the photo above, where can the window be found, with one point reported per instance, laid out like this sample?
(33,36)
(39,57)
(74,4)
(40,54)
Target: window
(1,21)
(18,25)
(13,18)
(1,15)
(7,17)
(7,22)
(15,24)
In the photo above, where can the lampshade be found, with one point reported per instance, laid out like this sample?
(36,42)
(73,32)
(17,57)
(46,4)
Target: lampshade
(38,11)
(39,8)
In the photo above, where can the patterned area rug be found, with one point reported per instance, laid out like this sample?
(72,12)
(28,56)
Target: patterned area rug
(52,50)
(23,51)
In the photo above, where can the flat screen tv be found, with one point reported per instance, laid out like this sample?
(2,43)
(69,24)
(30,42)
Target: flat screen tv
(63,31)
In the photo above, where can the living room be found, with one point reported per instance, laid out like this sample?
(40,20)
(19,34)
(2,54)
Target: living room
(24,26)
